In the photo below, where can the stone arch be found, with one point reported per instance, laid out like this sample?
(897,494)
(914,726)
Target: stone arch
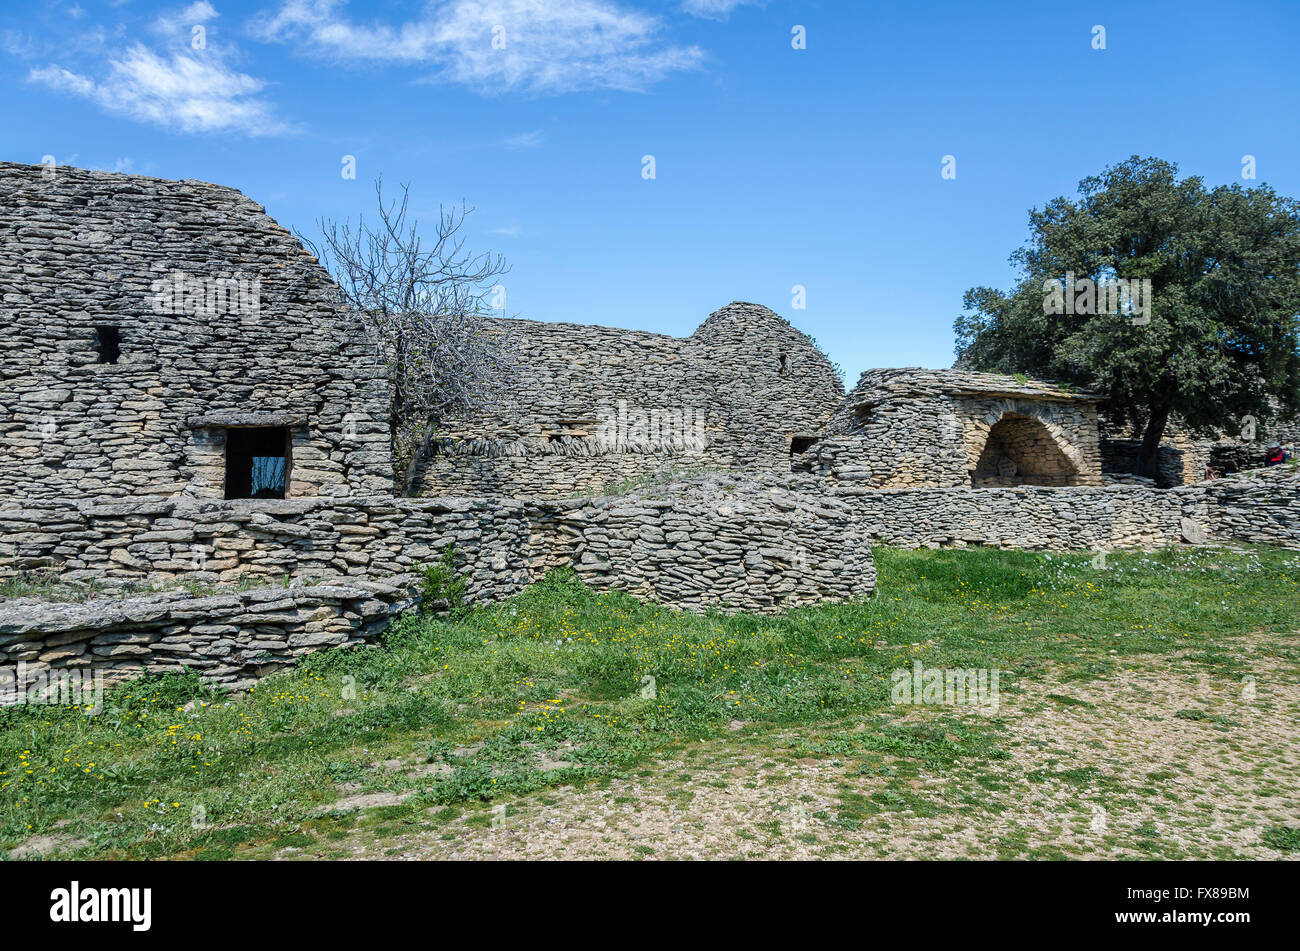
(1021,447)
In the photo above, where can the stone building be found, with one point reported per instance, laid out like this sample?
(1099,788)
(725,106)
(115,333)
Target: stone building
(169,338)
(182,403)
(595,406)
(1185,455)
(916,428)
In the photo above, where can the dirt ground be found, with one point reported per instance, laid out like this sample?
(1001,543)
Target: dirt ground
(1158,759)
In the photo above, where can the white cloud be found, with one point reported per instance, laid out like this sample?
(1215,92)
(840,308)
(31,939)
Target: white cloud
(18,45)
(533,46)
(188,91)
(713,9)
(318,28)
(177,24)
(524,140)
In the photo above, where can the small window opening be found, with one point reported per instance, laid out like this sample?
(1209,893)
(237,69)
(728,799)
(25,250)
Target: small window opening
(784,367)
(571,429)
(257,463)
(801,444)
(862,415)
(108,342)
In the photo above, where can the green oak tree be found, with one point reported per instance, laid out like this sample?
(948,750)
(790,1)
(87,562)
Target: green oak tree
(1211,338)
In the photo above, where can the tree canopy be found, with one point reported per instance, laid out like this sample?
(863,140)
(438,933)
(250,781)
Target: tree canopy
(1163,296)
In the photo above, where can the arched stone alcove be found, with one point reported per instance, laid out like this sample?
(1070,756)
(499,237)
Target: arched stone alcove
(1023,450)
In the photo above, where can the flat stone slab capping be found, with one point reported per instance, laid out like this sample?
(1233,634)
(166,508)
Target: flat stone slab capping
(230,639)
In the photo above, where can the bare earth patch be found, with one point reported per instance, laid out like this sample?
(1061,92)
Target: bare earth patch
(44,846)
(1157,759)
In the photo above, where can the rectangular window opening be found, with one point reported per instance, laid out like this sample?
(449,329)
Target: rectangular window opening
(257,463)
(570,429)
(108,343)
(801,444)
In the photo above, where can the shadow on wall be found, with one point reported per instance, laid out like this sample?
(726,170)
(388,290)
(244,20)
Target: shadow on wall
(1120,458)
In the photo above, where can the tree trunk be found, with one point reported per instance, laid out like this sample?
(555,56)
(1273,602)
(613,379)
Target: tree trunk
(400,472)
(1148,461)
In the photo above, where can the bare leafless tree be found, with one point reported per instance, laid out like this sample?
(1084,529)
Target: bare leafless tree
(426,312)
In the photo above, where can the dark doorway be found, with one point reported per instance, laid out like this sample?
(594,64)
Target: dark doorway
(257,463)
(801,444)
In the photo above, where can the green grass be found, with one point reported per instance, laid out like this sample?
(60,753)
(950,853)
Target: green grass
(44,583)
(1285,838)
(564,686)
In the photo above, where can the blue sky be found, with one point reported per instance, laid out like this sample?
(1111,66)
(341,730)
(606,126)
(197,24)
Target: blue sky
(774,167)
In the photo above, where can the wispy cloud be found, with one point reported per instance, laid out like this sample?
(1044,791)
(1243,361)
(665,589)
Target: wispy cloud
(524,140)
(320,28)
(194,90)
(18,45)
(714,9)
(530,46)
(179,24)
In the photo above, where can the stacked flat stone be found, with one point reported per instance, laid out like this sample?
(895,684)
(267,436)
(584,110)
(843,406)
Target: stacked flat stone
(914,428)
(505,544)
(1222,511)
(764,545)
(755,547)
(230,639)
(81,250)
(173,539)
(739,389)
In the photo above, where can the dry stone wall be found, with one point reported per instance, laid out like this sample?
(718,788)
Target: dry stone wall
(1044,519)
(165,539)
(350,564)
(764,546)
(1265,511)
(749,550)
(230,639)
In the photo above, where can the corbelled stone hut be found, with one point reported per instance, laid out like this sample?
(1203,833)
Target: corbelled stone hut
(593,406)
(169,338)
(916,428)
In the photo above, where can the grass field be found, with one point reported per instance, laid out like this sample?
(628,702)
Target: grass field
(1147,708)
